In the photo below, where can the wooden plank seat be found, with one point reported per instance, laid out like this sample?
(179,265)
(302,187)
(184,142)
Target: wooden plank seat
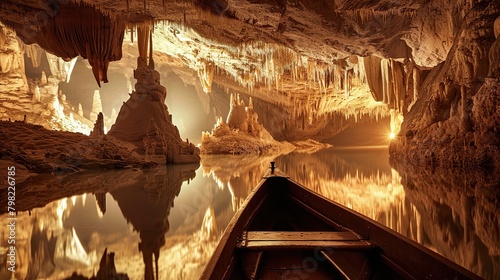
(337,240)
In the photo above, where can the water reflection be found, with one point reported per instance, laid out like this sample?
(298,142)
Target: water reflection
(238,173)
(360,179)
(462,213)
(70,234)
(165,223)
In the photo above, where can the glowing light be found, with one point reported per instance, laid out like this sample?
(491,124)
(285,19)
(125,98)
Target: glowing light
(392,135)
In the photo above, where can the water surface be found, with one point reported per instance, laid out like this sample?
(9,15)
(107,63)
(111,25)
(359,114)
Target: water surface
(178,213)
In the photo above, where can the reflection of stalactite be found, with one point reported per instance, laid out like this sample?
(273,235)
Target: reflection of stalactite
(101,201)
(80,29)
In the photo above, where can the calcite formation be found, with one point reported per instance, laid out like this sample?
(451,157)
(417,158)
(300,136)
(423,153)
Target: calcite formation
(145,117)
(454,122)
(98,126)
(241,133)
(37,98)
(96,106)
(79,29)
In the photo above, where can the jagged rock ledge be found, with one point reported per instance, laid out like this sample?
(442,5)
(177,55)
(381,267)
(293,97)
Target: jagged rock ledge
(37,150)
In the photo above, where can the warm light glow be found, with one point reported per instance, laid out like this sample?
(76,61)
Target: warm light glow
(392,135)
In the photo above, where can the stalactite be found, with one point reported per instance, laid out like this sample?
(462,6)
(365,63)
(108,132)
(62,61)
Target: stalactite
(151,60)
(34,52)
(142,40)
(206,75)
(80,29)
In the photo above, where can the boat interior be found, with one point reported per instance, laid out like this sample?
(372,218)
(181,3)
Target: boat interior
(286,239)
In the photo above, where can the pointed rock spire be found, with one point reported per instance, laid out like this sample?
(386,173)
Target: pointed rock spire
(96,106)
(80,109)
(98,126)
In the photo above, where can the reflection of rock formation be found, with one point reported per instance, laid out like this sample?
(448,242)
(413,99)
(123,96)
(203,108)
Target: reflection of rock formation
(147,104)
(241,133)
(42,253)
(107,270)
(39,191)
(49,253)
(100,197)
(239,173)
(463,213)
(146,205)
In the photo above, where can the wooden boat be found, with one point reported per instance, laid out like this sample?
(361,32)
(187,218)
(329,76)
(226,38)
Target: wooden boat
(285,231)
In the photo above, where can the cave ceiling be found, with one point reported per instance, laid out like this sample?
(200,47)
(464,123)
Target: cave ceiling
(310,62)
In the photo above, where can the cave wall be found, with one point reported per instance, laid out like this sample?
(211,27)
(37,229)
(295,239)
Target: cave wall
(455,120)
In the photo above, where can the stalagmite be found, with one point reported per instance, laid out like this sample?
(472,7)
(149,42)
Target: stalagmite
(154,140)
(43,79)
(241,134)
(36,95)
(146,110)
(80,110)
(98,126)
(96,106)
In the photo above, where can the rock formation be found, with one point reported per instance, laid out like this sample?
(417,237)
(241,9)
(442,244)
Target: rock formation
(45,151)
(38,98)
(98,126)
(14,91)
(80,110)
(455,120)
(74,29)
(146,111)
(241,133)
(96,106)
